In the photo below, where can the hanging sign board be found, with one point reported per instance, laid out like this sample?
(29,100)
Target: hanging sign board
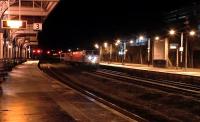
(14,24)
(37,26)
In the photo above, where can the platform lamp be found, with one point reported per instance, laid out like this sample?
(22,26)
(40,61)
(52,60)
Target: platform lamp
(181,49)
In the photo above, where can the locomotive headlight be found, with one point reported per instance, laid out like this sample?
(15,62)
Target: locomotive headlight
(90,57)
(94,59)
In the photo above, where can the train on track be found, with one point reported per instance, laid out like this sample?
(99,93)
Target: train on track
(85,57)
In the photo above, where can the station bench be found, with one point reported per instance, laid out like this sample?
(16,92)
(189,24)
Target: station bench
(6,65)
(3,72)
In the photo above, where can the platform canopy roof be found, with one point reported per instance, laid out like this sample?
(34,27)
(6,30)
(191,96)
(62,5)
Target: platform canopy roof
(32,11)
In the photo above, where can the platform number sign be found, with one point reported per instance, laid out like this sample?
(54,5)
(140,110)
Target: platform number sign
(37,26)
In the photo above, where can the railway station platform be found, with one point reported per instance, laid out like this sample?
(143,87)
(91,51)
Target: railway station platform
(176,71)
(29,95)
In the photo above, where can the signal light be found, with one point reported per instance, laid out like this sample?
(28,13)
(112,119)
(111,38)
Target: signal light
(48,52)
(38,51)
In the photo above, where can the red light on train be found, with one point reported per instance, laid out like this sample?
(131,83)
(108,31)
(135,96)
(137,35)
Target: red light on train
(38,51)
(48,52)
(33,51)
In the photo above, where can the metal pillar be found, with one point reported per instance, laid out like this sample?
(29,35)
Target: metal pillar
(20,52)
(7,50)
(181,49)
(19,9)
(29,54)
(8,9)
(124,52)
(100,53)
(16,51)
(1,45)
(177,58)
(186,52)
(26,53)
(148,50)
(110,50)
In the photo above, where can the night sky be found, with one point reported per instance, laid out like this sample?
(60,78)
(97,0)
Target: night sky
(79,24)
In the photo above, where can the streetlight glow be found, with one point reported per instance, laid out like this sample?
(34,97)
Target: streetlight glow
(118,41)
(105,45)
(14,23)
(157,38)
(9,46)
(172,32)
(192,33)
(96,46)
(141,37)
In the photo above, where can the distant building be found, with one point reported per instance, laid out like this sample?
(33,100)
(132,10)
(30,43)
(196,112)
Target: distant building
(185,19)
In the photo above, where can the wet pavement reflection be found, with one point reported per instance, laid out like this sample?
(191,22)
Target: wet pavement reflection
(28,95)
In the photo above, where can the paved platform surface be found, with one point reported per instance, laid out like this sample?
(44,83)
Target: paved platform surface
(181,71)
(29,95)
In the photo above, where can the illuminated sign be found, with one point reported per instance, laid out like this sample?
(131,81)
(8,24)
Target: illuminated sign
(173,46)
(37,26)
(181,49)
(139,42)
(14,24)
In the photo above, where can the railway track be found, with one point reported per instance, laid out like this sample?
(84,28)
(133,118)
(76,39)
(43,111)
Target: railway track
(164,85)
(177,88)
(89,92)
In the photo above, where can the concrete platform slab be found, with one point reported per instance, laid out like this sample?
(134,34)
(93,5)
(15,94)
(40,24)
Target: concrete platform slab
(180,71)
(29,95)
